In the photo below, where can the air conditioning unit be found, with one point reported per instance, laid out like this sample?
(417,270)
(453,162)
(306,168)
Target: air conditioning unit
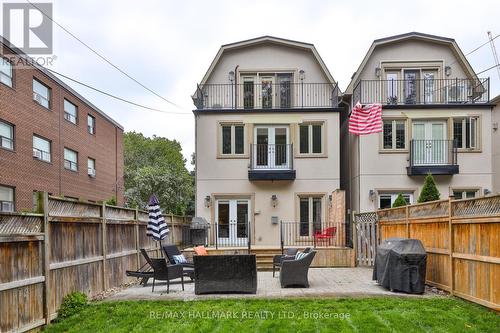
(91,172)
(7,207)
(37,98)
(68,117)
(37,154)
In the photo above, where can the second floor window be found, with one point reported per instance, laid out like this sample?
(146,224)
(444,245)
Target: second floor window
(41,93)
(90,124)
(6,199)
(233,139)
(41,149)
(70,159)
(394,135)
(6,135)
(311,138)
(465,132)
(6,72)
(91,167)
(70,111)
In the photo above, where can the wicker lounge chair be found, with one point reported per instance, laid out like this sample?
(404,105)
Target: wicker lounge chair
(164,272)
(145,272)
(289,254)
(294,271)
(171,251)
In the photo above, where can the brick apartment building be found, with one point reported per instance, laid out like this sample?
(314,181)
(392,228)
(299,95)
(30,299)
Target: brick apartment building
(52,139)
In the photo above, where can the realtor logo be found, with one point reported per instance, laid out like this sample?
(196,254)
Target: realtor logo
(28,27)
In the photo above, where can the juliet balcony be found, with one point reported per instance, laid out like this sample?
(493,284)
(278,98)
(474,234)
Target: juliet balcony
(438,157)
(266,95)
(271,162)
(428,91)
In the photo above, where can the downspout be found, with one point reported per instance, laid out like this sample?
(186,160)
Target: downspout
(236,86)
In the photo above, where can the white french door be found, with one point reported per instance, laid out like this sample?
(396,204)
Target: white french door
(429,142)
(266,93)
(233,221)
(271,148)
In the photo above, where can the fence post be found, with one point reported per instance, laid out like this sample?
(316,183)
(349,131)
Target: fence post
(281,237)
(46,258)
(173,228)
(104,245)
(407,216)
(137,245)
(450,244)
(354,235)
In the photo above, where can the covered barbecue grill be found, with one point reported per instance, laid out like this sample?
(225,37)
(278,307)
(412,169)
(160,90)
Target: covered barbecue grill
(400,265)
(198,231)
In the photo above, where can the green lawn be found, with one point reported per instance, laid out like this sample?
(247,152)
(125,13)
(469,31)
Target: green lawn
(381,314)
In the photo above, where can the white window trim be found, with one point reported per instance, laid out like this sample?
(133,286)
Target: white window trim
(67,115)
(49,160)
(477,121)
(49,93)
(310,125)
(220,147)
(8,139)
(71,163)
(393,148)
(11,76)
(463,190)
(393,196)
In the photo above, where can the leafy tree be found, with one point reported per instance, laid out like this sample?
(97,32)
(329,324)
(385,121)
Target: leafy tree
(156,166)
(400,201)
(429,190)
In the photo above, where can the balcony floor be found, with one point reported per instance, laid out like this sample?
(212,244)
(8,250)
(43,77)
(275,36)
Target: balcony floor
(271,174)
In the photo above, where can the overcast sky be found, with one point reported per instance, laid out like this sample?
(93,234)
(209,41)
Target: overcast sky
(168,45)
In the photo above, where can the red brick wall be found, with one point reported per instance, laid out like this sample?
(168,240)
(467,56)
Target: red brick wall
(20,170)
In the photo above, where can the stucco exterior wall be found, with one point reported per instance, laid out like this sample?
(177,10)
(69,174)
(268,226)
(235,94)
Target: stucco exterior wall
(223,177)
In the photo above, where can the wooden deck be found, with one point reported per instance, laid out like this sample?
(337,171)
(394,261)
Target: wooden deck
(325,256)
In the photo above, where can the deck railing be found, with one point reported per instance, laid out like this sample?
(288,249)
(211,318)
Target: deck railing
(271,156)
(266,95)
(433,152)
(423,91)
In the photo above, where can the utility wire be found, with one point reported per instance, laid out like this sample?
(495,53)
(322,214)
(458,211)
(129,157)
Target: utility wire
(103,57)
(487,69)
(114,96)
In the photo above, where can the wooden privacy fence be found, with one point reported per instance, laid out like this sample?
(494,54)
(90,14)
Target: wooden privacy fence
(72,246)
(365,237)
(462,240)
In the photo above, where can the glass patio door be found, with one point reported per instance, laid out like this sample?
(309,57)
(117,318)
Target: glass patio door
(232,218)
(271,148)
(267,92)
(429,142)
(411,86)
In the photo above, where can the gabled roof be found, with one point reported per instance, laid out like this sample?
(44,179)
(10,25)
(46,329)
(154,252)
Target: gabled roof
(45,71)
(268,39)
(450,42)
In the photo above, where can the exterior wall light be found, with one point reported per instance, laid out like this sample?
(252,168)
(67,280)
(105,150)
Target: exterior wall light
(274,200)
(378,71)
(447,71)
(302,75)
(208,201)
(486,191)
(231,76)
(330,200)
(371,194)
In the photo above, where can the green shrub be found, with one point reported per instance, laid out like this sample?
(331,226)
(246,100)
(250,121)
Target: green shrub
(400,201)
(72,303)
(429,191)
(111,201)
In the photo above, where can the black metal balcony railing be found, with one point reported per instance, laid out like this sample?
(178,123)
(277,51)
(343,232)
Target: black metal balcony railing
(271,156)
(301,234)
(422,91)
(438,157)
(250,95)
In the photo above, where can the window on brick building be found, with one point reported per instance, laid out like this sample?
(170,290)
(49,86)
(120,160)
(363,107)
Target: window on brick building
(41,93)
(6,199)
(70,159)
(90,124)
(91,167)
(70,111)
(41,149)
(6,72)
(6,135)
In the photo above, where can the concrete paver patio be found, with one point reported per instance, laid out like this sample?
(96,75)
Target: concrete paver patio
(325,282)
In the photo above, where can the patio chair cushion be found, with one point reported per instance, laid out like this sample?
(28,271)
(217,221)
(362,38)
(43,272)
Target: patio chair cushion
(200,250)
(300,255)
(180,259)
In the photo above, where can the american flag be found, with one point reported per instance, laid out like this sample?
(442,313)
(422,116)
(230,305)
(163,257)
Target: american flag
(366,119)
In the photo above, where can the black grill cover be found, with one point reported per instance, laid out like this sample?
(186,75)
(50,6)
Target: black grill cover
(400,265)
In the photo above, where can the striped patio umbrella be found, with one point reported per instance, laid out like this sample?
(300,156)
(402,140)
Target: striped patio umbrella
(157,228)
